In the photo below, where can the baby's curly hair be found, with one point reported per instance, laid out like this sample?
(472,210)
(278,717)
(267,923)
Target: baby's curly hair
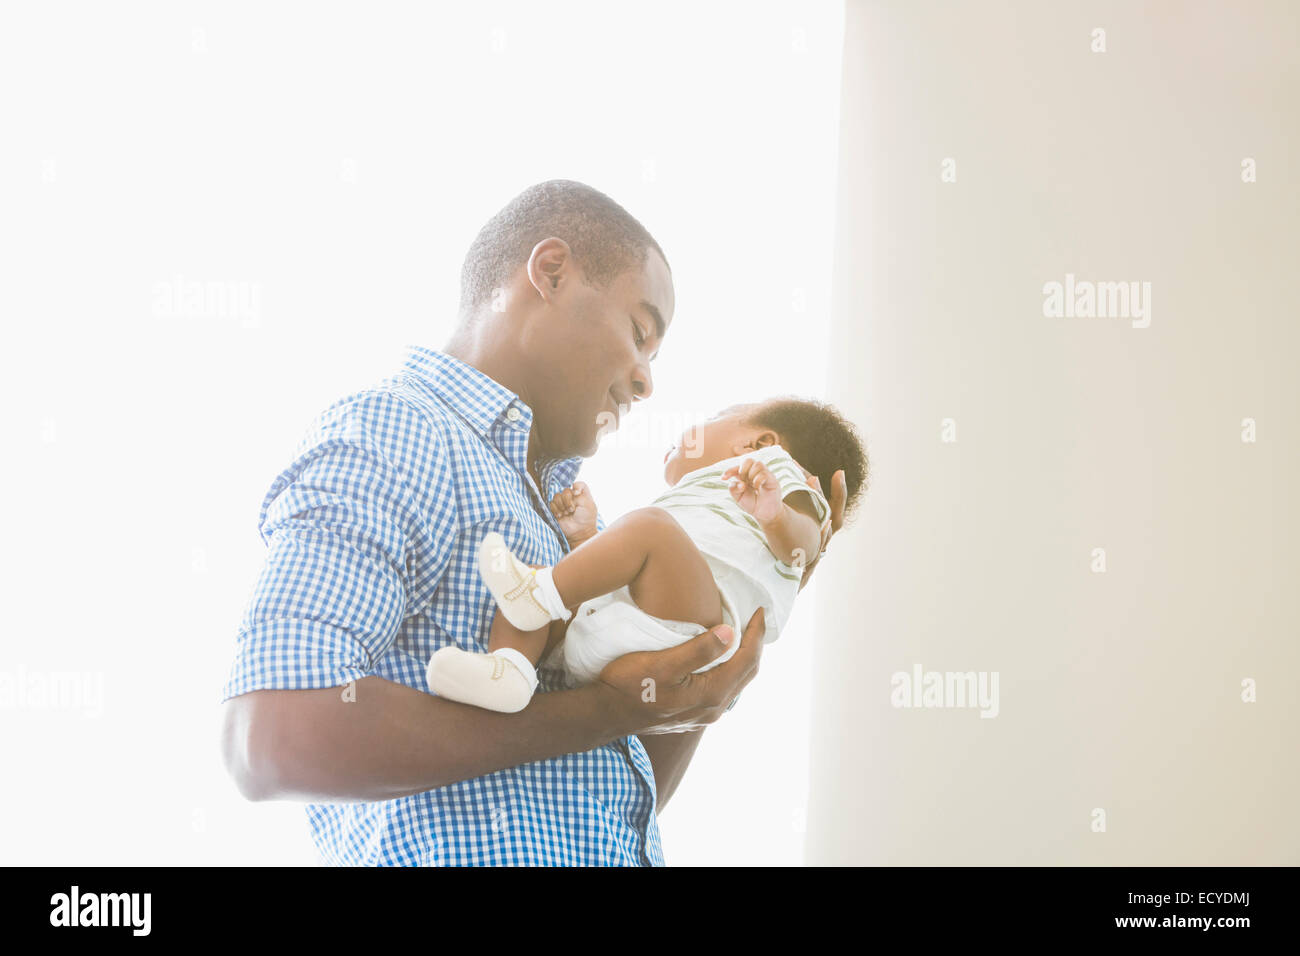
(818,437)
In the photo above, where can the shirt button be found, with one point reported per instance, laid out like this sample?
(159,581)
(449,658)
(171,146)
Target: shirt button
(514,414)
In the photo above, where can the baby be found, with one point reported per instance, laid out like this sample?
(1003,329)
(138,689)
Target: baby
(734,532)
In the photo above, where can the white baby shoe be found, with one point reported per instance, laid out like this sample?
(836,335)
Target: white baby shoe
(526,596)
(503,680)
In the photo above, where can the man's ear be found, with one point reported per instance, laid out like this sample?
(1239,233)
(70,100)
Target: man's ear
(550,265)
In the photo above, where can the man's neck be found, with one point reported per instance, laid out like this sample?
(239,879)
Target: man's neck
(492,362)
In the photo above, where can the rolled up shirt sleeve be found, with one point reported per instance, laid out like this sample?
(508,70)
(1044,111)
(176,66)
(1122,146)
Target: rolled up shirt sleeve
(341,527)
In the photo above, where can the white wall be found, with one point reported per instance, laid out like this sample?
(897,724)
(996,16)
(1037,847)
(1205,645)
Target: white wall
(1118,690)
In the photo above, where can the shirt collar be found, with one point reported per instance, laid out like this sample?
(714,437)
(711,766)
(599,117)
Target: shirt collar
(483,402)
(477,398)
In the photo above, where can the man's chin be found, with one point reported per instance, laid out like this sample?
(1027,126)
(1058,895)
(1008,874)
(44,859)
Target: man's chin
(583,447)
(603,430)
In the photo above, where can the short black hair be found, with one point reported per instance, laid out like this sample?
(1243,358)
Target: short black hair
(605,238)
(818,437)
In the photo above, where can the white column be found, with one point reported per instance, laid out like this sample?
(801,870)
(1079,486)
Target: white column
(987,151)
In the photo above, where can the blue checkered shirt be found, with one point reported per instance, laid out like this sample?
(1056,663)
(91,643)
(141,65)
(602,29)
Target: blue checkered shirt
(372,532)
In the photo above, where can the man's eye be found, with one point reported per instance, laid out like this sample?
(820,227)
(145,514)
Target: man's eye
(637,336)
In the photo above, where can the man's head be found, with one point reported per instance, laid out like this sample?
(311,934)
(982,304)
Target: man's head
(569,297)
(815,434)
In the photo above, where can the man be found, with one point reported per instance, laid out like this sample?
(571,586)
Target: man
(372,533)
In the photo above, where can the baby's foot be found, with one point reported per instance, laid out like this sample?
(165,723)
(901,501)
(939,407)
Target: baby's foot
(526,596)
(503,680)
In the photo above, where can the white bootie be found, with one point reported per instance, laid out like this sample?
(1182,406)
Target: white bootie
(526,596)
(503,680)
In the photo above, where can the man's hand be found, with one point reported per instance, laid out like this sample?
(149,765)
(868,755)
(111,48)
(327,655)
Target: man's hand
(575,510)
(656,692)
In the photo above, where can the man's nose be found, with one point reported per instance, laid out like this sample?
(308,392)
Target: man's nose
(642,383)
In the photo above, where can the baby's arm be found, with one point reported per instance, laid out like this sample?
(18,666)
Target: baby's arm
(790,524)
(796,531)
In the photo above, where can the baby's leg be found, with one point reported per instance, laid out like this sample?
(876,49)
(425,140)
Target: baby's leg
(651,553)
(503,679)
(532,644)
(646,549)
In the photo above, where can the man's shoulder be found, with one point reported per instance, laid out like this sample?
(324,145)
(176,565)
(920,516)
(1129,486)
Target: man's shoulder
(392,416)
(408,434)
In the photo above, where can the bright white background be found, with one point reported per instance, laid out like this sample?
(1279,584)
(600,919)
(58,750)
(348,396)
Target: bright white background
(333,164)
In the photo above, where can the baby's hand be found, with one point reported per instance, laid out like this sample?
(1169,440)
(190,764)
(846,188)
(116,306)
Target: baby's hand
(755,489)
(575,509)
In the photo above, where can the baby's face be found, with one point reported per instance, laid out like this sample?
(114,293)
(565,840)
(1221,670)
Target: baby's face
(723,436)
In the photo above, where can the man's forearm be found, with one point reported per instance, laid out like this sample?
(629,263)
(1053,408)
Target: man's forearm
(670,755)
(393,740)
